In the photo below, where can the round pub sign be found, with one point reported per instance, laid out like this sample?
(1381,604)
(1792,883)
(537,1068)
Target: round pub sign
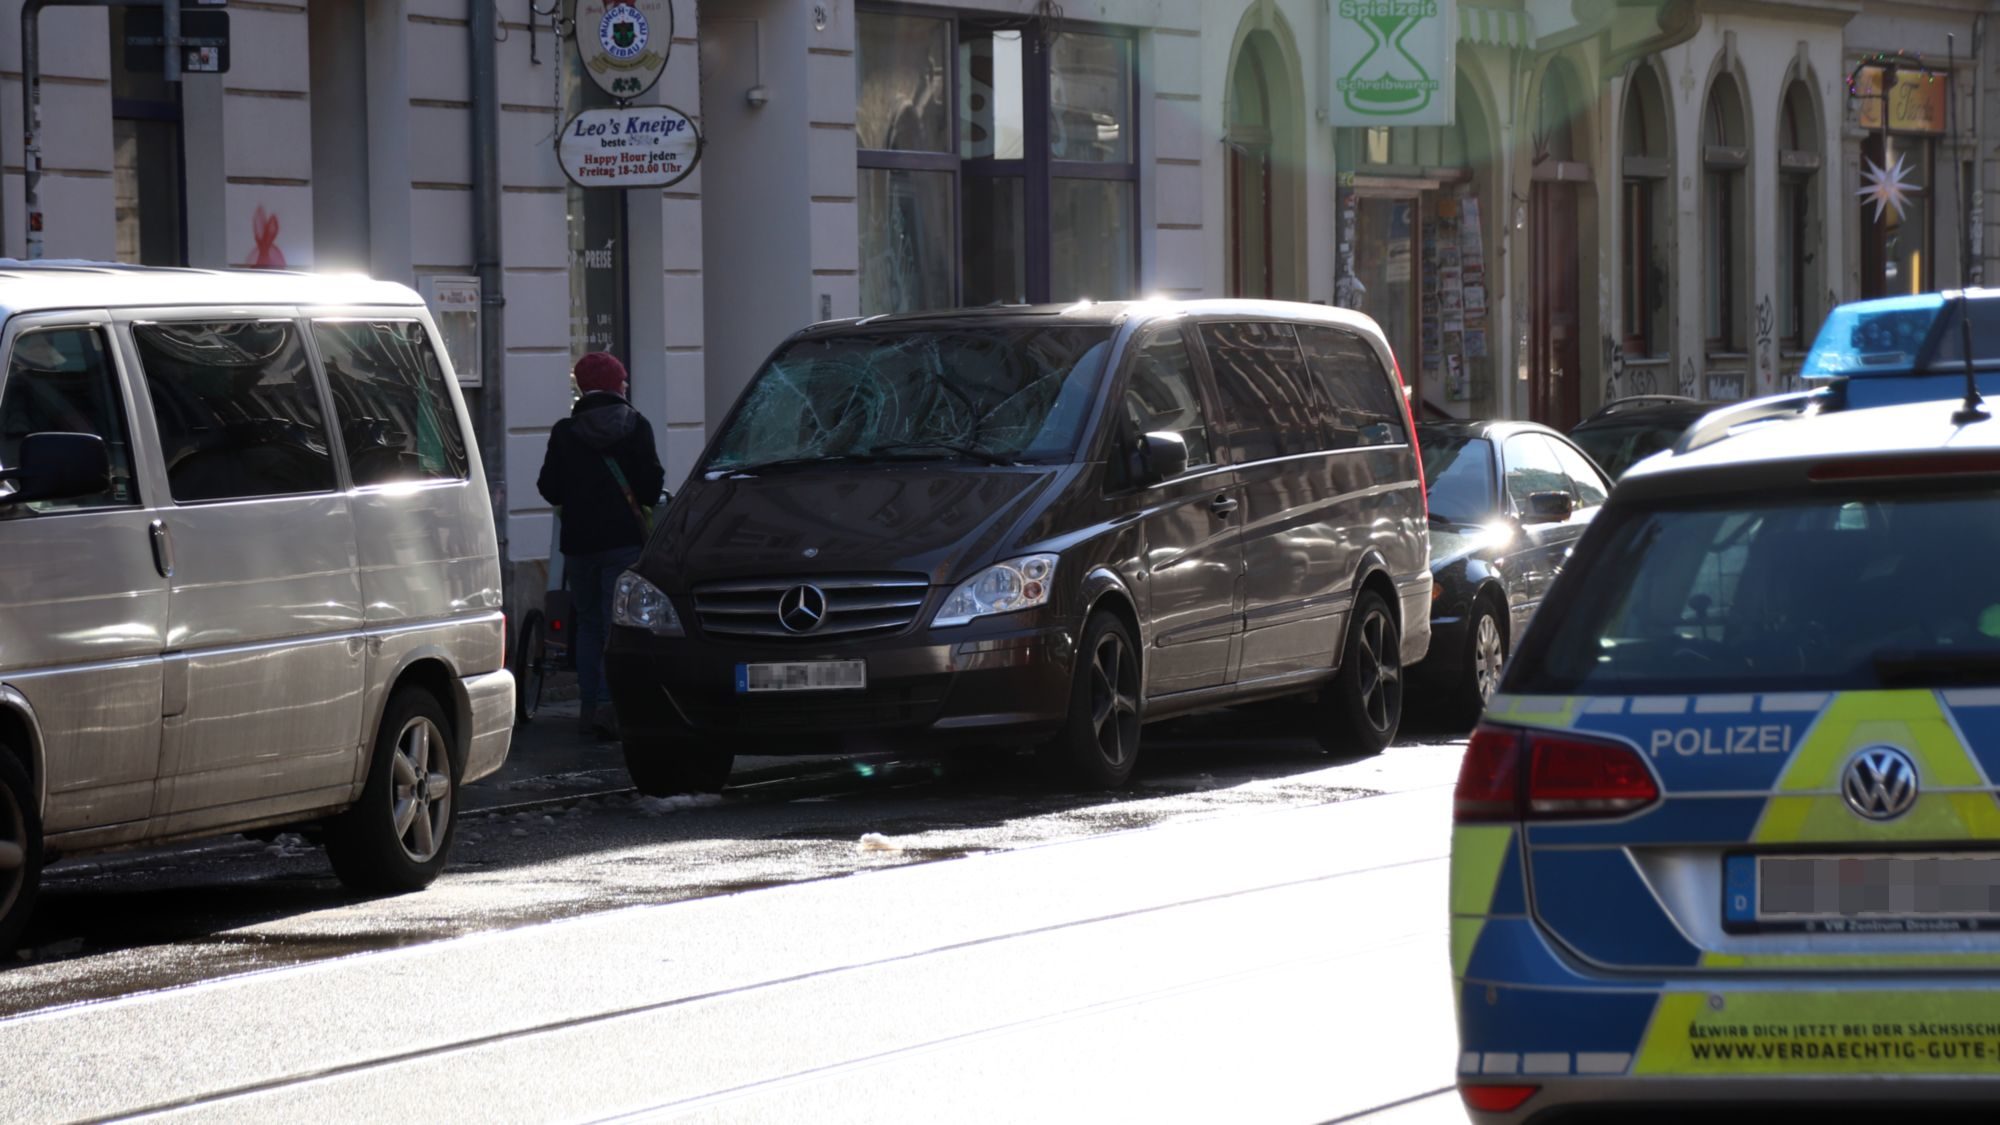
(624,43)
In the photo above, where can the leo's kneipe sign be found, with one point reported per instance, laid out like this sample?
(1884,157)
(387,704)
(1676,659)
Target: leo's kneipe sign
(634,147)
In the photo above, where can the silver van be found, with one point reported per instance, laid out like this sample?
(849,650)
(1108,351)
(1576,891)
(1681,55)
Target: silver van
(248,571)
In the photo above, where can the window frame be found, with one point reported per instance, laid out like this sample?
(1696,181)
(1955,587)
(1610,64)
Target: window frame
(315,376)
(337,439)
(1799,167)
(1645,176)
(136,438)
(1112,435)
(1724,165)
(1037,169)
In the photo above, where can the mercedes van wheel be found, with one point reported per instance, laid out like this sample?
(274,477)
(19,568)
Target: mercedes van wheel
(667,767)
(20,849)
(396,836)
(1099,743)
(1364,705)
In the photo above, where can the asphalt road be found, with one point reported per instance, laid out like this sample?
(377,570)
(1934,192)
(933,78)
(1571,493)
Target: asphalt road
(1254,932)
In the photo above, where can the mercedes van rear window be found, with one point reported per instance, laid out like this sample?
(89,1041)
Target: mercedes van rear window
(1862,590)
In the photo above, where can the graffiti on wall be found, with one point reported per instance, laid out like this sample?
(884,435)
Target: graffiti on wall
(264,229)
(1690,383)
(1767,346)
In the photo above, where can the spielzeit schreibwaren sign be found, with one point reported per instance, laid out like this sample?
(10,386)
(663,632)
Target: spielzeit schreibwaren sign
(1393,61)
(635,147)
(624,43)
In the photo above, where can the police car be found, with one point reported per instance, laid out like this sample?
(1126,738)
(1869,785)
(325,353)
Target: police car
(1729,833)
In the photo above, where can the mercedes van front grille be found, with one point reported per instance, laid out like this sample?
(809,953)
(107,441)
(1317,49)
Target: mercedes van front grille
(802,608)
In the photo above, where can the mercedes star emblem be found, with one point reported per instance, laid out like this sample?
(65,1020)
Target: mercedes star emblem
(802,609)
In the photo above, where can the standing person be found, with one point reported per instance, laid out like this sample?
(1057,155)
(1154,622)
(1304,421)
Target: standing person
(603,475)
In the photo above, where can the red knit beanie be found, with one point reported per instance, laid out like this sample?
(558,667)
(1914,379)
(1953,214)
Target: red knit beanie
(600,371)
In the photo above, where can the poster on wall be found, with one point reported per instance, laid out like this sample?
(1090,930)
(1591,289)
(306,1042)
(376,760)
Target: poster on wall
(1393,61)
(634,147)
(624,43)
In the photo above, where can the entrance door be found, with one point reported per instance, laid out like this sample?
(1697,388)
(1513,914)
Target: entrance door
(1385,263)
(1555,375)
(1250,272)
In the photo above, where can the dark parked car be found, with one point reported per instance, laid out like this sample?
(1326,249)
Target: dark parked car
(1628,430)
(1032,526)
(1507,501)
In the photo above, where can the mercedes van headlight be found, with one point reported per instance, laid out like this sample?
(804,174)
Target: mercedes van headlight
(1001,588)
(638,604)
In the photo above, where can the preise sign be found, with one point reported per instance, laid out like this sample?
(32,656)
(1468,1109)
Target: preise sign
(638,146)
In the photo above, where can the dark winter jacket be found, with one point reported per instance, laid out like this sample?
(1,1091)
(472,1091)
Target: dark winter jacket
(595,516)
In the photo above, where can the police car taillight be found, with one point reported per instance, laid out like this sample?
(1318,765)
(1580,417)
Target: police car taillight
(1496,1099)
(1510,774)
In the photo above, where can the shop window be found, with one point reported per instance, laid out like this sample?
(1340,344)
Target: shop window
(1645,201)
(1798,176)
(995,165)
(146,168)
(1724,227)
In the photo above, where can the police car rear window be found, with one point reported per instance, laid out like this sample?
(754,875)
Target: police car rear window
(1834,593)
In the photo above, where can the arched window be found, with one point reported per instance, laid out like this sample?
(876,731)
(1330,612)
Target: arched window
(1725,227)
(1798,218)
(1647,195)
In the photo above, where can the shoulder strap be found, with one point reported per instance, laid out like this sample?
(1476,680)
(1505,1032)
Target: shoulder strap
(631,501)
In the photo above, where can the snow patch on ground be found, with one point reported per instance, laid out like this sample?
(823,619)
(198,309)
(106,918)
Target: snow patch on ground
(876,842)
(662,806)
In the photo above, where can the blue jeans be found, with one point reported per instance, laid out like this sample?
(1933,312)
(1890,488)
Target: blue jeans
(591,579)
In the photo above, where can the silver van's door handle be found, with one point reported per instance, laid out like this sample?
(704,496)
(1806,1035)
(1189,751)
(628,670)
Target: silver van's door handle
(1222,506)
(163,549)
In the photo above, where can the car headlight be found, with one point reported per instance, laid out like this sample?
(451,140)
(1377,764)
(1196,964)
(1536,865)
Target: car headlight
(638,604)
(1001,588)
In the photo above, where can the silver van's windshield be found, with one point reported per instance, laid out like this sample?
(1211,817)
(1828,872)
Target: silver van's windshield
(996,395)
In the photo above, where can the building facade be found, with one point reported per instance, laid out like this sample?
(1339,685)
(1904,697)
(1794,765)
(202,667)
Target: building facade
(1629,199)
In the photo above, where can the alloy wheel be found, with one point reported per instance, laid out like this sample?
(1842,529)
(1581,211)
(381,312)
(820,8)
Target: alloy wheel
(1487,656)
(13,850)
(1114,699)
(1381,672)
(421,789)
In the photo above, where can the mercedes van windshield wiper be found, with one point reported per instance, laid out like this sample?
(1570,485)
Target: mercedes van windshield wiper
(972,452)
(755,467)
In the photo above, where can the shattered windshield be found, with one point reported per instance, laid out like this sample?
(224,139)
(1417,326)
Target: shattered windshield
(996,395)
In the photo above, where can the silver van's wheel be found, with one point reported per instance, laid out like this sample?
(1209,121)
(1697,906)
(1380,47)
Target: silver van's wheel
(396,836)
(20,849)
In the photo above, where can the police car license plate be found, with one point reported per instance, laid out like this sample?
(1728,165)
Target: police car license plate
(1862,893)
(803,675)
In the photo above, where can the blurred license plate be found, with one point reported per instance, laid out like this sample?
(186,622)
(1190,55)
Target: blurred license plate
(1862,893)
(803,675)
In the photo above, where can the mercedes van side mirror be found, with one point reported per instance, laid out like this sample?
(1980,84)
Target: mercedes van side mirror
(56,466)
(1162,456)
(1549,507)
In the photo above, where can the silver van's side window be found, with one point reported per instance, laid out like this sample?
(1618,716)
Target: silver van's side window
(395,415)
(61,380)
(1161,397)
(1365,407)
(237,411)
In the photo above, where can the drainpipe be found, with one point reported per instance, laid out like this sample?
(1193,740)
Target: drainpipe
(485,94)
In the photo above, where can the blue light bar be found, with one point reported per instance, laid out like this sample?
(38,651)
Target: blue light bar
(1865,337)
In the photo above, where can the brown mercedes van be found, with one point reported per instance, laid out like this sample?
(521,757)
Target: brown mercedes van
(1042,526)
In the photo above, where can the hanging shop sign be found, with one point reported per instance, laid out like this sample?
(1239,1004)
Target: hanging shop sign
(635,147)
(624,43)
(1393,61)
(1916,100)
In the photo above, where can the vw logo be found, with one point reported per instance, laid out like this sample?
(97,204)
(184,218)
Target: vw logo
(1880,783)
(802,609)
